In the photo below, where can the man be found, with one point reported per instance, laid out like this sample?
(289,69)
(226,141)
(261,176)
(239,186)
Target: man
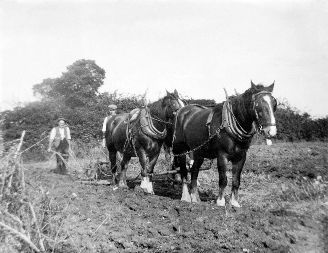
(112,111)
(60,139)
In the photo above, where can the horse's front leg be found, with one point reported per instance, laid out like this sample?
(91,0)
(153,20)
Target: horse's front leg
(237,167)
(194,182)
(146,183)
(175,165)
(223,181)
(181,160)
(152,162)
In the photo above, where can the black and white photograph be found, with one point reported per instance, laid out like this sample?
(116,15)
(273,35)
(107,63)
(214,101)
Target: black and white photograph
(163,126)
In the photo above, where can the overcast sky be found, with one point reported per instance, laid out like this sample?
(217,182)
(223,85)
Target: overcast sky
(197,47)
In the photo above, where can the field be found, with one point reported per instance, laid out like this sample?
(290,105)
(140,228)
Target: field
(283,193)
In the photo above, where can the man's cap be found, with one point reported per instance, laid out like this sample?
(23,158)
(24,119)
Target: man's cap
(112,107)
(61,118)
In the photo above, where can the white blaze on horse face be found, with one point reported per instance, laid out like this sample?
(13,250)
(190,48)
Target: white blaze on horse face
(180,102)
(270,130)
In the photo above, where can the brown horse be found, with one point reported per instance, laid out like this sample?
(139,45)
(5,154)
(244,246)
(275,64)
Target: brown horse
(141,134)
(225,133)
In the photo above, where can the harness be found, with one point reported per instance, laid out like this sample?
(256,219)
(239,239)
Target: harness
(231,124)
(146,125)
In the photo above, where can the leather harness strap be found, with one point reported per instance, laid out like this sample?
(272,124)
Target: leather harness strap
(146,125)
(209,121)
(232,125)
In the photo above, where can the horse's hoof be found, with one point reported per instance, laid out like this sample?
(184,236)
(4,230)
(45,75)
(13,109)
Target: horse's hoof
(195,198)
(235,203)
(185,193)
(186,198)
(122,184)
(147,186)
(148,191)
(220,202)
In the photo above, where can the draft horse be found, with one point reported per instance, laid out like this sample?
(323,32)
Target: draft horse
(223,132)
(141,134)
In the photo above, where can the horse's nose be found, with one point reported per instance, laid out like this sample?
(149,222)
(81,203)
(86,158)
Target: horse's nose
(270,131)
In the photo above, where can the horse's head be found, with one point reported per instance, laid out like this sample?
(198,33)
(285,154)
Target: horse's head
(171,103)
(263,106)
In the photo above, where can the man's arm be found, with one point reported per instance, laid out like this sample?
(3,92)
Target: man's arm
(69,137)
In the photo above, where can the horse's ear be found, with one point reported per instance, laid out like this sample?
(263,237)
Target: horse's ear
(176,93)
(270,88)
(168,93)
(253,84)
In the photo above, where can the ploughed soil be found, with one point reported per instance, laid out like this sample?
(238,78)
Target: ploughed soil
(283,193)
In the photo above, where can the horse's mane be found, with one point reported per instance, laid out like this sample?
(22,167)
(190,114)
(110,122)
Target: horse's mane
(246,96)
(156,107)
(257,88)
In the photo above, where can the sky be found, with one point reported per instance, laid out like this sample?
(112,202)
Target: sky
(196,47)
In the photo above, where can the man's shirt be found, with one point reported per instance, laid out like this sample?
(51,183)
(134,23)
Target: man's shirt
(61,133)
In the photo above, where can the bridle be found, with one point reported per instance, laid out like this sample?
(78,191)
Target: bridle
(173,108)
(255,102)
(174,111)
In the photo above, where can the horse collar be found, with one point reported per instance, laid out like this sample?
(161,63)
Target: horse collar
(147,126)
(232,126)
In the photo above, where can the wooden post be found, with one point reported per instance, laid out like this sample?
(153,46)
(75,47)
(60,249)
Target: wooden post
(20,144)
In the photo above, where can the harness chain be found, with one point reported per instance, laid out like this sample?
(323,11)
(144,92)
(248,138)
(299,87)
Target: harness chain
(162,121)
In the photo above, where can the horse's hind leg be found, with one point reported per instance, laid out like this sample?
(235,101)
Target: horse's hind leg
(194,182)
(124,167)
(223,181)
(236,172)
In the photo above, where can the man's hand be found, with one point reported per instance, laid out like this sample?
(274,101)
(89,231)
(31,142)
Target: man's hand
(49,149)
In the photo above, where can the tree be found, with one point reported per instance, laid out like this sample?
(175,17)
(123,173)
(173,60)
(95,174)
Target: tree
(76,87)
